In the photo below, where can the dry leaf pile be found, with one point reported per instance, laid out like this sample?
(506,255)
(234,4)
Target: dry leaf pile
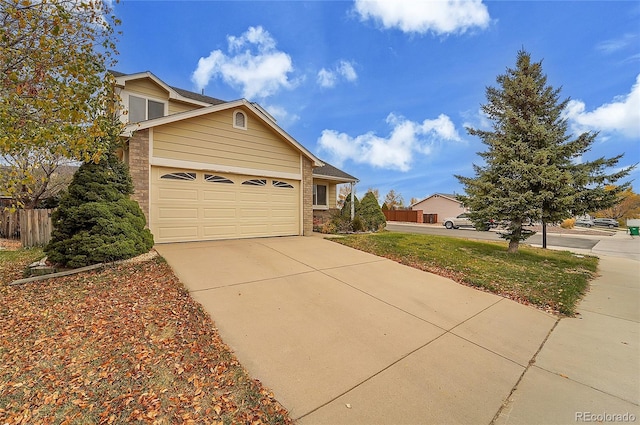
(120,345)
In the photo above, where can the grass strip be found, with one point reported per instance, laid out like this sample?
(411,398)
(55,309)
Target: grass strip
(551,280)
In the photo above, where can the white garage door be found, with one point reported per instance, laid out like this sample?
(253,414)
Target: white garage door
(191,205)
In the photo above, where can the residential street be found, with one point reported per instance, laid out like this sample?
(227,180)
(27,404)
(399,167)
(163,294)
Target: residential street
(553,239)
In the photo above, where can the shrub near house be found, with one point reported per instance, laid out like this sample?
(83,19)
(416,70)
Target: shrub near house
(96,221)
(371,213)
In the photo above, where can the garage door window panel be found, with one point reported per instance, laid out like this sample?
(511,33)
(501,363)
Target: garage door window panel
(255,182)
(283,185)
(179,176)
(217,179)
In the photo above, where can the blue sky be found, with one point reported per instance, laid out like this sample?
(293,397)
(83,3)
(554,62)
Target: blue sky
(385,89)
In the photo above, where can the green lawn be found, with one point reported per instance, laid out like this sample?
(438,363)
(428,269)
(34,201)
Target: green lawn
(552,280)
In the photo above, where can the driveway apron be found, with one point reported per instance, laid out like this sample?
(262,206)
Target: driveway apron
(345,337)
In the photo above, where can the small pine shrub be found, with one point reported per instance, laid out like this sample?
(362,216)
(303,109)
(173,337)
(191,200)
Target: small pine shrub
(96,221)
(371,214)
(569,223)
(357,225)
(346,208)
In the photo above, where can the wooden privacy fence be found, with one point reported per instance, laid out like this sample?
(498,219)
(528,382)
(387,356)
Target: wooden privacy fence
(9,225)
(412,216)
(33,227)
(430,218)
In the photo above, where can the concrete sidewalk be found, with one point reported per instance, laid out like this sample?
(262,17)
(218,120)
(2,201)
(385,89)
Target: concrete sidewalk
(621,244)
(345,337)
(589,369)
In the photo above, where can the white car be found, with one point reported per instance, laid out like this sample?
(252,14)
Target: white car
(462,220)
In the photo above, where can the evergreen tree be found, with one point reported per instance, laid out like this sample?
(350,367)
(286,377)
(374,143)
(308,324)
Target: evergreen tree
(372,216)
(345,212)
(97,221)
(530,169)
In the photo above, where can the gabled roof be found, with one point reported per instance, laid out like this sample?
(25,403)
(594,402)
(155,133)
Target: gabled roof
(450,196)
(175,93)
(211,104)
(131,128)
(329,172)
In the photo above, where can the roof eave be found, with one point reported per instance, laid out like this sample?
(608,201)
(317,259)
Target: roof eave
(173,95)
(336,179)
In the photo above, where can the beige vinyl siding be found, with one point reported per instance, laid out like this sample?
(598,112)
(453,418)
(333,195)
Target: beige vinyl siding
(195,210)
(212,139)
(177,107)
(146,88)
(444,207)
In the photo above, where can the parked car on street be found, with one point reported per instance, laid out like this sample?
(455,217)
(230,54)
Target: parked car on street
(606,222)
(462,220)
(584,222)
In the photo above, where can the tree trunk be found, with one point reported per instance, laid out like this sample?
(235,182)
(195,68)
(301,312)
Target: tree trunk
(514,242)
(513,246)
(544,234)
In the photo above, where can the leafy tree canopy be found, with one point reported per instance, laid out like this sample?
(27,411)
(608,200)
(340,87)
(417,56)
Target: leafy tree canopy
(394,200)
(627,206)
(56,102)
(531,166)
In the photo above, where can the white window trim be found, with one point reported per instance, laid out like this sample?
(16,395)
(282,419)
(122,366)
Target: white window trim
(315,196)
(246,118)
(146,110)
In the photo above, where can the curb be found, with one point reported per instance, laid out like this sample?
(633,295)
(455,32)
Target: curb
(151,254)
(58,274)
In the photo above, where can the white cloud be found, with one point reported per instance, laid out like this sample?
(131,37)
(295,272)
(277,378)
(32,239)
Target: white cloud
(326,78)
(616,44)
(478,120)
(393,152)
(253,65)
(621,116)
(284,118)
(418,16)
(329,78)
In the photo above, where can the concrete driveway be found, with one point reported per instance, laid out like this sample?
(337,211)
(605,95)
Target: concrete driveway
(345,337)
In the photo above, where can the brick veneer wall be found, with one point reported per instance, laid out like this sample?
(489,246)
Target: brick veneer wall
(139,169)
(307,197)
(322,216)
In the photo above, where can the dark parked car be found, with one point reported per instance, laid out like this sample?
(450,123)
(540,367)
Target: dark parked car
(585,222)
(606,222)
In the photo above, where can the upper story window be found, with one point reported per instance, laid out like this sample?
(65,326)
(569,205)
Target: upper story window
(240,120)
(142,109)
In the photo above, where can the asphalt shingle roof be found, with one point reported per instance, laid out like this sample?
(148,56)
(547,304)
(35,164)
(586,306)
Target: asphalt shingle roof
(182,92)
(328,170)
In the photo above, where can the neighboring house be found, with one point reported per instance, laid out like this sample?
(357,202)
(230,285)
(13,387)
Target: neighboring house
(206,169)
(443,204)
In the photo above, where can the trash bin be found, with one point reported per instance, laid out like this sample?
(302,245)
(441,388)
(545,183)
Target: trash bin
(634,231)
